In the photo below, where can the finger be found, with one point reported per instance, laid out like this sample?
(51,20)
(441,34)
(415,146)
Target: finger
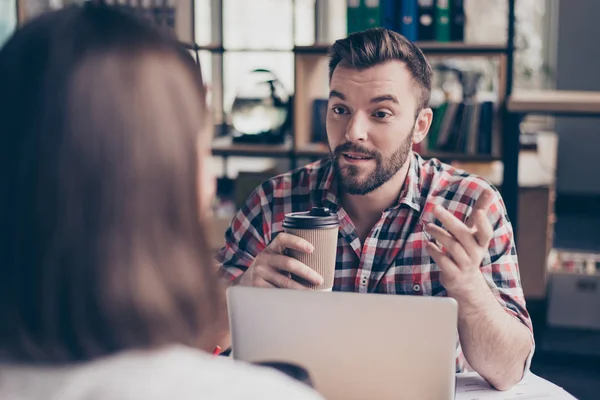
(483,230)
(456,228)
(450,244)
(484,201)
(260,282)
(284,281)
(289,264)
(442,260)
(288,241)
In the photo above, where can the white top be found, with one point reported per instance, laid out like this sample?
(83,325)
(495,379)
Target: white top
(177,373)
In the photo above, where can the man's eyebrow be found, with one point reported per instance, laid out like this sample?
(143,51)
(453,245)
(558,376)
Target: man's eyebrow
(385,97)
(335,93)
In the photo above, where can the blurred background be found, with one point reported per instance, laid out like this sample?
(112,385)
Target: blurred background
(516,100)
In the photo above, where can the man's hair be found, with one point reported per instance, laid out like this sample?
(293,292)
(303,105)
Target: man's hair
(102,248)
(375,46)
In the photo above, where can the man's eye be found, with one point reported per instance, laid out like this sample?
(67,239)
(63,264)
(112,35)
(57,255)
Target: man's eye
(381,114)
(339,110)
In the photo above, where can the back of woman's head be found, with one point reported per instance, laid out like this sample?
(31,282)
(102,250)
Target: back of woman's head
(103,128)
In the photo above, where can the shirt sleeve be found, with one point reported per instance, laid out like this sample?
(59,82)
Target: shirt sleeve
(248,235)
(500,267)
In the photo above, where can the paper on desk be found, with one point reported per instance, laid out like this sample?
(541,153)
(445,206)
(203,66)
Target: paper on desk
(471,386)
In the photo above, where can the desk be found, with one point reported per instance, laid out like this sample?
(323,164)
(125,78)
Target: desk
(470,386)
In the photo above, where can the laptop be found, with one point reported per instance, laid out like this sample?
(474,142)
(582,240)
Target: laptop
(354,345)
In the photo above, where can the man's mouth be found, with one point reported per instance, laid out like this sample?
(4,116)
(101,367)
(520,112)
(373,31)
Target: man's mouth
(354,157)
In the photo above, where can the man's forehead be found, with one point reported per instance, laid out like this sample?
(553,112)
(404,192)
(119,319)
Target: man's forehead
(389,76)
(392,68)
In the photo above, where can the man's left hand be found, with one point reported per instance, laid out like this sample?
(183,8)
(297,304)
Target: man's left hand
(461,247)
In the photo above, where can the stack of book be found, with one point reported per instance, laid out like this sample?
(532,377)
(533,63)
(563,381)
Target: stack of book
(422,20)
(465,127)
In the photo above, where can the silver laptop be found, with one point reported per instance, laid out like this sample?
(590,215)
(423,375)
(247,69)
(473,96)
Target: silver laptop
(354,345)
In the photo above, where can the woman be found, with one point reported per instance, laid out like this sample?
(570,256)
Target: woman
(106,287)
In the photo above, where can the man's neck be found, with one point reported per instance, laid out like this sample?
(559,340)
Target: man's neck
(365,210)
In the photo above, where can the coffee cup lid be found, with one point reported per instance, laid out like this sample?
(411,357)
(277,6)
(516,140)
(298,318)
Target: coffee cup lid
(317,218)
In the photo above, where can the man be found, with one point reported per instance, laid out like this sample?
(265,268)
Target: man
(408,226)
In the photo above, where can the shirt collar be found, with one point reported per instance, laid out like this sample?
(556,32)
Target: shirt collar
(411,190)
(410,194)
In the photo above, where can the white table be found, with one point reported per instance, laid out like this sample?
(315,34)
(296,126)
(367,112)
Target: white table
(471,386)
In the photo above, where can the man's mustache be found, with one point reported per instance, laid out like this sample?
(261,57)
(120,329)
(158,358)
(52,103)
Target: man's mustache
(349,147)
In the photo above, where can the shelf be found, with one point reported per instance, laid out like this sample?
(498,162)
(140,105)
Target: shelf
(224,146)
(320,149)
(432,48)
(555,102)
(458,48)
(463,157)
(312,150)
(217,48)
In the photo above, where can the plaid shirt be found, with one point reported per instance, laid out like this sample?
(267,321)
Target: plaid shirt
(393,259)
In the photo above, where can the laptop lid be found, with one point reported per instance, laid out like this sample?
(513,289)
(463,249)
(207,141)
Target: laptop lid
(354,345)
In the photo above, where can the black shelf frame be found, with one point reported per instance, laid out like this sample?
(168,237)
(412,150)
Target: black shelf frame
(511,132)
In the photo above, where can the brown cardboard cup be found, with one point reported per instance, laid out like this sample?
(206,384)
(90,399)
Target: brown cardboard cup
(320,228)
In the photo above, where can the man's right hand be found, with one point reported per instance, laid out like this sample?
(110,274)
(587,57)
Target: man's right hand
(272,268)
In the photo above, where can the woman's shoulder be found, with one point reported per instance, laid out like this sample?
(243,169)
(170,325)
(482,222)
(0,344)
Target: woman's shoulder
(181,372)
(225,378)
(171,373)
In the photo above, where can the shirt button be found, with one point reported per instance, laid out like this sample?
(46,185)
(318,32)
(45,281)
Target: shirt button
(416,287)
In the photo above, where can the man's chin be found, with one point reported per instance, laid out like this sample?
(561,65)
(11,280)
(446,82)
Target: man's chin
(352,185)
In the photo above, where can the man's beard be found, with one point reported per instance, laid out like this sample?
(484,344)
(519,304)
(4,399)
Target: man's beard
(348,175)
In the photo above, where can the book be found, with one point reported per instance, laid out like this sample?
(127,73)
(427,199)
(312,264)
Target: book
(446,125)
(436,123)
(462,135)
(473,136)
(451,143)
(354,17)
(426,20)
(442,21)
(457,21)
(319,118)
(389,13)
(485,128)
(408,19)
(372,14)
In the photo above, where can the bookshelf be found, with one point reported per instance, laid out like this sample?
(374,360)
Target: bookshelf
(555,102)
(566,103)
(310,81)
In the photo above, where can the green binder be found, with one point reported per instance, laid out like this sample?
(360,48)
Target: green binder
(372,14)
(442,21)
(354,16)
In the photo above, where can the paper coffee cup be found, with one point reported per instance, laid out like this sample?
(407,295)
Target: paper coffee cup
(319,227)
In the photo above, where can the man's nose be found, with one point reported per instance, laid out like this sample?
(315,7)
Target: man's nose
(356,131)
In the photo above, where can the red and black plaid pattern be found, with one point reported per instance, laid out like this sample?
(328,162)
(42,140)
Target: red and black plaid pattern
(393,259)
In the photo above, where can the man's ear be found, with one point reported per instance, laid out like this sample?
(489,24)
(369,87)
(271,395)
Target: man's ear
(422,125)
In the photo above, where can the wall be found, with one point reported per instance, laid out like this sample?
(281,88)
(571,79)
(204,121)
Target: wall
(578,68)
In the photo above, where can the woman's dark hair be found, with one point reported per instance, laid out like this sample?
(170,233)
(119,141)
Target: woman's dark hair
(102,246)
